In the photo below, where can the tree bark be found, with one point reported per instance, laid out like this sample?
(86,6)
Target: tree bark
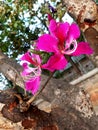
(85,13)
(11,70)
(71,108)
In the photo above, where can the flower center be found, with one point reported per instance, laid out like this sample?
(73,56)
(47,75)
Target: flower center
(70,48)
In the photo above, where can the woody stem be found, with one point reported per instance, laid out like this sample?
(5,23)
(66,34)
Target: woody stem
(75,67)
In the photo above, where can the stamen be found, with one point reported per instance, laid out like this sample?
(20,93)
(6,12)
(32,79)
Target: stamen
(35,72)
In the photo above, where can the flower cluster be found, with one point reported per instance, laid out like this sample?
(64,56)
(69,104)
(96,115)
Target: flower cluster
(61,41)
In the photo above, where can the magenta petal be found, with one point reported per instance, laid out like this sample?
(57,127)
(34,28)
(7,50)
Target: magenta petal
(83,48)
(59,30)
(56,62)
(73,33)
(27,70)
(33,84)
(25,65)
(36,58)
(52,26)
(49,17)
(47,43)
(28,58)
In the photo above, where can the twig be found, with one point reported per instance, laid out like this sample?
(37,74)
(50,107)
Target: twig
(75,67)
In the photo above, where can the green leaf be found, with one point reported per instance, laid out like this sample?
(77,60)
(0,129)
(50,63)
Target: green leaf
(9,0)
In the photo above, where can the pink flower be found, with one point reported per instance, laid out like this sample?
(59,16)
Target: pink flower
(60,42)
(31,75)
